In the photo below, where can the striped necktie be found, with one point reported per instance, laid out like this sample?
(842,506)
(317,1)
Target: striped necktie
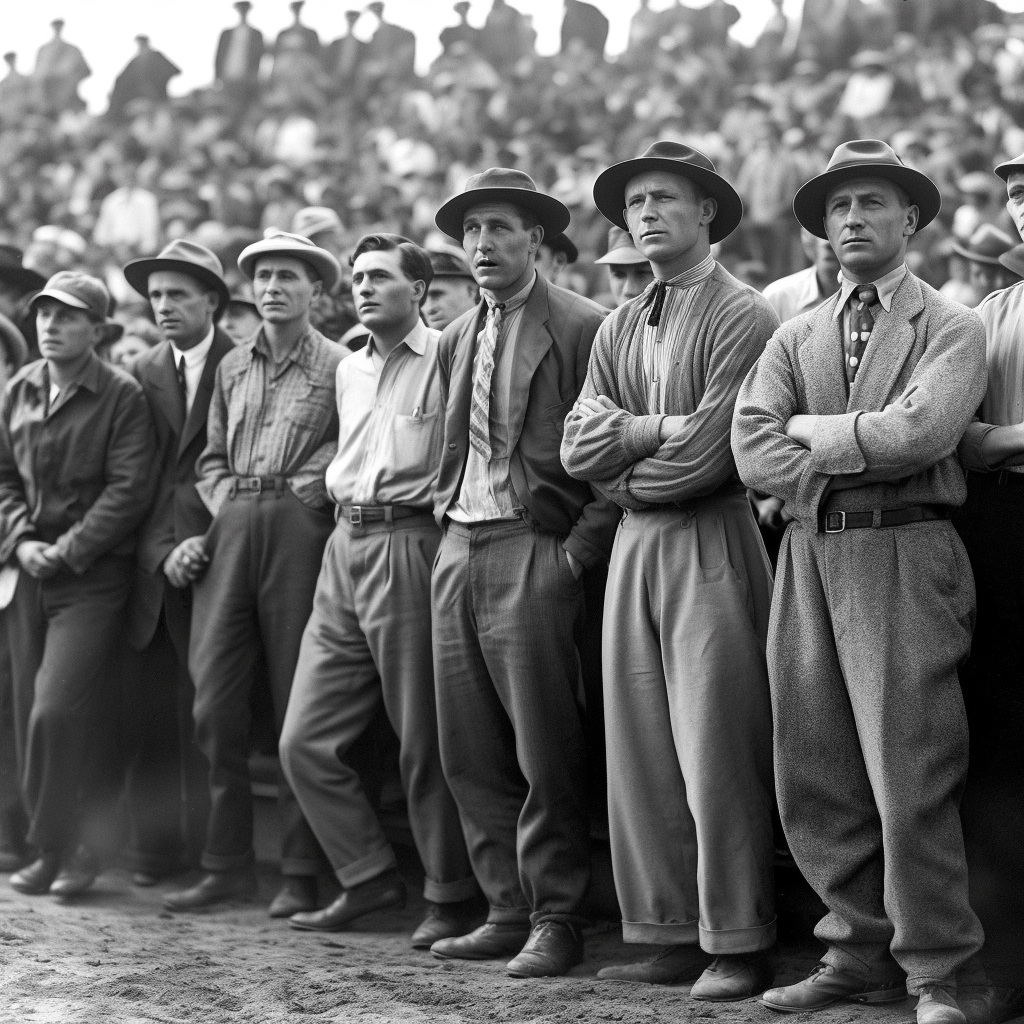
(480,410)
(861,322)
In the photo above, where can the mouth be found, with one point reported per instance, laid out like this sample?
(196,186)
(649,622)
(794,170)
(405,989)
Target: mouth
(651,234)
(485,264)
(366,306)
(857,240)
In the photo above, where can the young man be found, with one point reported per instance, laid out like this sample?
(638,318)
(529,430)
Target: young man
(452,291)
(507,593)
(852,417)
(687,709)
(168,798)
(985,273)
(629,271)
(368,638)
(271,434)
(76,457)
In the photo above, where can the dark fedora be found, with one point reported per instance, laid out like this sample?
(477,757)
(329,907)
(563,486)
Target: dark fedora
(502,185)
(1008,166)
(1014,260)
(187,258)
(986,245)
(12,270)
(865,158)
(674,157)
(564,244)
(450,264)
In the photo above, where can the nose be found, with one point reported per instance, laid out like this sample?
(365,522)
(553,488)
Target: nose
(855,215)
(648,213)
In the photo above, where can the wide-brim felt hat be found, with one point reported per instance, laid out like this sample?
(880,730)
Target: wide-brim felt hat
(11,269)
(621,250)
(864,158)
(186,258)
(283,243)
(674,157)
(986,245)
(563,243)
(1014,260)
(502,185)
(1008,166)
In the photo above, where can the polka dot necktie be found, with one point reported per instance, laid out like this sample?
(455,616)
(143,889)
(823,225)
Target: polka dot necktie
(861,323)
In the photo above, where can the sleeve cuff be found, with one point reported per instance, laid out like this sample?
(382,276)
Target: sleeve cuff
(642,437)
(835,450)
(971,455)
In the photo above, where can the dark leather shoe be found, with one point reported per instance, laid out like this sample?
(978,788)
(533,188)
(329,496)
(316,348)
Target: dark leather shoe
(10,860)
(551,950)
(673,965)
(387,890)
(488,942)
(937,1005)
(214,887)
(76,875)
(446,921)
(730,978)
(297,895)
(38,876)
(826,985)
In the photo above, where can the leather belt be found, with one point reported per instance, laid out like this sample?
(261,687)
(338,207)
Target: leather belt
(840,522)
(356,515)
(257,484)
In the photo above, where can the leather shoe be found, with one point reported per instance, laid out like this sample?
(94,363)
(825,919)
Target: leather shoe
(145,879)
(446,921)
(213,887)
(673,965)
(488,942)
(38,876)
(387,890)
(10,860)
(936,1005)
(826,985)
(551,950)
(76,874)
(734,977)
(296,896)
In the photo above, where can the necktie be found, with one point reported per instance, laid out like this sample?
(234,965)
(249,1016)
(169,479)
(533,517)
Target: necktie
(861,322)
(182,386)
(480,410)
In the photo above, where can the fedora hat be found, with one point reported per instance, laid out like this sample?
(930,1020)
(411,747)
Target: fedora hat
(282,243)
(674,157)
(1008,166)
(502,185)
(11,269)
(563,243)
(449,264)
(864,158)
(1014,260)
(621,250)
(986,245)
(186,258)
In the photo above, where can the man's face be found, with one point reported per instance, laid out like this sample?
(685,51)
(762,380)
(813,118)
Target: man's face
(984,278)
(126,350)
(384,297)
(447,299)
(666,214)
(499,247)
(240,322)
(868,222)
(182,307)
(550,263)
(283,288)
(628,280)
(825,261)
(10,296)
(65,333)
(1015,200)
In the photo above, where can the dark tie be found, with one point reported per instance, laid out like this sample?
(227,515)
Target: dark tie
(861,323)
(182,386)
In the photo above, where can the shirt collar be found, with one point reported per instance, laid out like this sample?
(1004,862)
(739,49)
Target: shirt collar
(515,301)
(416,340)
(886,286)
(694,275)
(300,353)
(196,355)
(88,377)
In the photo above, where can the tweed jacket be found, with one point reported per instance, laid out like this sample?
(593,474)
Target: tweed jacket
(891,443)
(552,351)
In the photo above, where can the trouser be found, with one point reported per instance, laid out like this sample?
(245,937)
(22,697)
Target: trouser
(689,725)
(506,606)
(62,634)
(13,821)
(253,603)
(368,640)
(867,629)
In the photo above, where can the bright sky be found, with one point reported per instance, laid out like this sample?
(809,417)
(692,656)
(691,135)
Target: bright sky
(187,30)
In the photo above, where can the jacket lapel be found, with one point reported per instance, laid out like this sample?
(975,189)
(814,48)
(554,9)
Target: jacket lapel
(460,381)
(221,346)
(826,384)
(532,344)
(164,380)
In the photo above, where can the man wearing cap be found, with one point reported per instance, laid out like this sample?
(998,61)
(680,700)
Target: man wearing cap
(167,793)
(554,255)
(240,319)
(982,252)
(272,432)
(852,417)
(333,313)
(507,594)
(76,451)
(687,711)
(452,290)
(629,270)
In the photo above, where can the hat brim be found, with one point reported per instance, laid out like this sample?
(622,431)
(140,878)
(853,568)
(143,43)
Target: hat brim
(1013,262)
(553,215)
(974,257)
(625,255)
(326,268)
(809,203)
(610,191)
(1004,170)
(22,277)
(137,274)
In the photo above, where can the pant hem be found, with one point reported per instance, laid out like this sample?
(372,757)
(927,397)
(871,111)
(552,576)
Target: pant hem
(450,892)
(738,940)
(844,960)
(645,933)
(540,916)
(370,866)
(915,985)
(227,862)
(508,915)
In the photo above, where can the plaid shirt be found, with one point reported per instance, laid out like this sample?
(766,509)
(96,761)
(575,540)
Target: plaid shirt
(272,419)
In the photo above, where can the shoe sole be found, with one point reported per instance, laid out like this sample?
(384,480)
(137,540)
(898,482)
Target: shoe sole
(28,890)
(478,956)
(544,974)
(865,998)
(240,898)
(342,925)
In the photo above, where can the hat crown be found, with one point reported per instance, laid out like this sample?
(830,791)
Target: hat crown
(192,252)
(448,264)
(501,177)
(863,151)
(681,152)
(91,292)
(619,239)
(988,240)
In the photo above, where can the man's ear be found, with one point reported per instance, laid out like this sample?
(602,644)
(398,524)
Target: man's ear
(708,210)
(913,216)
(419,288)
(536,237)
(318,287)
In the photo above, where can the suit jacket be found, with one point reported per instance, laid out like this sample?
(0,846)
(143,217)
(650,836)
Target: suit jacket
(178,512)
(891,443)
(552,352)
(253,51)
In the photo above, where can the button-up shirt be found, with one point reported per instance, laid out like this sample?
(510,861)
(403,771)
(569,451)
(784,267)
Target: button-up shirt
(790,296)
(390,425)
(272,419)
(75,472)
(195,361)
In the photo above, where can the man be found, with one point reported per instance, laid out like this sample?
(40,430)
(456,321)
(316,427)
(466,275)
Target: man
(168,800)
(237,61)
(60,67)
(584,25)
(985,273)
(452,290)
(333,313)
(629,271)
(790,296)
(852,417)
(240,319)
(687,711)
(368,639)
(144,77)
(271,434)
(391,52)
(461,33)
(554,255)
(76,450)
(507,594)
(343,61)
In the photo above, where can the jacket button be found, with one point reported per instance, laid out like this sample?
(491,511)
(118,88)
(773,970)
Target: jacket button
(452,446)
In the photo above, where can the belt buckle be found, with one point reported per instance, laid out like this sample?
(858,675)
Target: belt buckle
(355,515)
(255,484)
(835,522)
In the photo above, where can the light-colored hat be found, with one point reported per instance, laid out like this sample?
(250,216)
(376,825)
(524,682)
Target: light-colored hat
(986,245)
(79,291)
(187,258)
(621,250)
(313,219)
(282,243)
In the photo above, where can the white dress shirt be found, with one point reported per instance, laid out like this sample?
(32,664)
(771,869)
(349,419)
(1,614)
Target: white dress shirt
(195,361)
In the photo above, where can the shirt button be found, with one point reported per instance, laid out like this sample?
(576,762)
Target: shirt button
(452,446)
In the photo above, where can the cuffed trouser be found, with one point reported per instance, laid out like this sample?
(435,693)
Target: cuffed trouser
(62,633)
(253,602)
(867,630)
(507,676)
(368,640)
(688,721)
(13,821)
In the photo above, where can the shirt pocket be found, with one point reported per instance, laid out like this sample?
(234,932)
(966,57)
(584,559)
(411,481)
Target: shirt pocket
(313,408)
(415,444)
